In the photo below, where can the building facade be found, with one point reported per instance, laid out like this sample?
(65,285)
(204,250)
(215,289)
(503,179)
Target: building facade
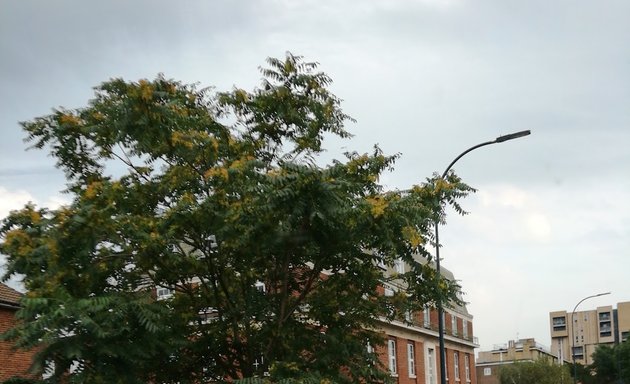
(583,331)
(411,353)
(13,363)
(490,362)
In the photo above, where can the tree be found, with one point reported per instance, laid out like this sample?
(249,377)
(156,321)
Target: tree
(611,364)
(218,196)
(541,371)
(583,374)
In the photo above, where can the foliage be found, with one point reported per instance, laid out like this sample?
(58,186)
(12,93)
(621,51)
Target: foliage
(582,373)
(611,364)
(214,195)
(541,371)
(21,380)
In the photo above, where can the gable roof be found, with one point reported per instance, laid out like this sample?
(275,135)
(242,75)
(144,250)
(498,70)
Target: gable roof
(9,295)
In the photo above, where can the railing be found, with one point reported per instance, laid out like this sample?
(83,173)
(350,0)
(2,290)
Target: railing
(434,327)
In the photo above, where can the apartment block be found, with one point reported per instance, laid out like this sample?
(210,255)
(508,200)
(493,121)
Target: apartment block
(583,331)
(490,362)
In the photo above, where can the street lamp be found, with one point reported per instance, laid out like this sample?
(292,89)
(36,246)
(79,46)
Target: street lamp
(573,333)
(440,307)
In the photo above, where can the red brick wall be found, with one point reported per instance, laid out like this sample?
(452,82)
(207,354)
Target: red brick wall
(403,361)
(402,368)
(493,378)
(12,362)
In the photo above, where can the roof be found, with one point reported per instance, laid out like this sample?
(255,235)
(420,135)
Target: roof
(9,295)
(448,275)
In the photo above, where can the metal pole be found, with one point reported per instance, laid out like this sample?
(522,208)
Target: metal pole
(440,306)
(573,333)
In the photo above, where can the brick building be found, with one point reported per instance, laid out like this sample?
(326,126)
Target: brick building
(412,350)
(12,362)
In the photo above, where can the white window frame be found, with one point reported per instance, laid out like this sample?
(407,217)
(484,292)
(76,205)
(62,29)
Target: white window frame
(391,356)
(467,367)
(380,260)
(409,316)
(427,316)
(487,371)
(439,370)
(411,360)
(163,293)
(388,291)
(456,365)
(260,286)
(431,367)
(465,328)
(399,266)
(454,324)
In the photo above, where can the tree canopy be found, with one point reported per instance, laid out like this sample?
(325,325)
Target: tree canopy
(220,198)
(541,371)
(611,364)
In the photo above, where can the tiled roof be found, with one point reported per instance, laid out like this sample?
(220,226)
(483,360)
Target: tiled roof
(9,295)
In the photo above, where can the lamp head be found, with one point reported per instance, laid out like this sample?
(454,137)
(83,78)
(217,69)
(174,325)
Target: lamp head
(512,136)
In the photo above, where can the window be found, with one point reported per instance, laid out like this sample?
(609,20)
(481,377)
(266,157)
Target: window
(207,315)
(427,316)
(380,260)
(431,366)
(409,316)
(391,353)
(465,328)
(454,324)
(456,364)
(371,357)
(605,329)
(411,360)
(163,293)
(624,335)
(487,371)
(559,323)
(260,286)
(399,266)
(578,352)
(467,366)
(446,365)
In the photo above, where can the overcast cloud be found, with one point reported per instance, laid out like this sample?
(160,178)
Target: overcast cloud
(426,78)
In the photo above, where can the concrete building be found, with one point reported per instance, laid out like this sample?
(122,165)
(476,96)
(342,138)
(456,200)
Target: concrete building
(585,330)
(13,363)
(490,362)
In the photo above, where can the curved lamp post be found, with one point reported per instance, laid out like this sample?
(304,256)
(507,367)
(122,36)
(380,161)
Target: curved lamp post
(440,307)
(573,332)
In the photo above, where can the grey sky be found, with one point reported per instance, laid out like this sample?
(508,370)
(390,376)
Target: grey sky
(426,78)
